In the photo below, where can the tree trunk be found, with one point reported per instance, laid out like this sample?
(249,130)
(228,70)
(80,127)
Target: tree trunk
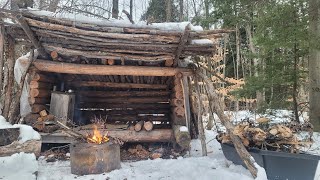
(9,88)
(314,65)
(1,58)
(168,10)
(181,10)
(115,9)
(259,95)
(215,102)
(53,5)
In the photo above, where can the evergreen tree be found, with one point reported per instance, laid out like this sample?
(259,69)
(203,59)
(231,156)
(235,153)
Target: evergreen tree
(156,12)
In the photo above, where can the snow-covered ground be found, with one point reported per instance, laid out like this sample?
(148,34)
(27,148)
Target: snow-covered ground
(192,166)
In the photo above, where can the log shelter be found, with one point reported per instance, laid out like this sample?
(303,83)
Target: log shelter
(127,76)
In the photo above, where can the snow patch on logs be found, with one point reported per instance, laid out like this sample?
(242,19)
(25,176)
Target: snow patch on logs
(26,132)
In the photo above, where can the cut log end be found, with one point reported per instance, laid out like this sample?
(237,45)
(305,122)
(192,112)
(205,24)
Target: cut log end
(138,126)
(182,136)
(148,126)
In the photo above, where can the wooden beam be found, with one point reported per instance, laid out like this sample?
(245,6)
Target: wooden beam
(185,88)
(30,34)
(156,135)
(122,93)
(182,44)
(69,68)
(116,85)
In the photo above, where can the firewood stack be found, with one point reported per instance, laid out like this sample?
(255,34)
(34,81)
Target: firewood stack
(41,85)
(277,137)
(42,121)
(177,102)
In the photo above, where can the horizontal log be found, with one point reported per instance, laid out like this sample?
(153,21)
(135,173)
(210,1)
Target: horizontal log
(40,85)
(40,93)
(58,67)
(116,85)
(42,78)
(125,106)
(30,146)
(129,111)
(36,100)
(157,135)
(113,118)
(73,30)
(122,93)
(125,100)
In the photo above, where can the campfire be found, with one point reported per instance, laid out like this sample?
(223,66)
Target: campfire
(97,155)
(96,137)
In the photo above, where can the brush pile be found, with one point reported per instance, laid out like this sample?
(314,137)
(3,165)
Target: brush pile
(266,136)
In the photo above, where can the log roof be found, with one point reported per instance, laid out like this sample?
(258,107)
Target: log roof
(92,43)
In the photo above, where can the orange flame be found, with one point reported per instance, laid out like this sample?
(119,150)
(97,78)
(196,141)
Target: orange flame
(97,137)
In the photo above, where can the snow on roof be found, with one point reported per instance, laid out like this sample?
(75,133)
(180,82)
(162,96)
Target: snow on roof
(76,17)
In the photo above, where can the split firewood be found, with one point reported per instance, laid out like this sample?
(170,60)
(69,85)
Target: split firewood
(148,126)
(43,113)
(263,120)
(138,126)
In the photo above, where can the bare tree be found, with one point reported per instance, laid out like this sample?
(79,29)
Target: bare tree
(314,65)
(115,8)
(168,10)
(181,10)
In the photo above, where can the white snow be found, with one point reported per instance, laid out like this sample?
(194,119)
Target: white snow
(201,41)
(80,18)
(192,166)
(19,68)
(183,129)
(26,132)
(18,166)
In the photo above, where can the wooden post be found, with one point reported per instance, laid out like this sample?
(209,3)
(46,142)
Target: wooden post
(182,136)
(199,120)
(215,102)
(185,88)
(9,88)
(182,44)
(2,34)
(30,34)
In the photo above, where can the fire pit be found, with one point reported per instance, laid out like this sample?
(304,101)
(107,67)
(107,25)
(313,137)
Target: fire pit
(96,156)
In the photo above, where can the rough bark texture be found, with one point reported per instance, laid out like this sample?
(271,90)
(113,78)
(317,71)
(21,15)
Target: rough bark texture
(314,65)
(10,78)
(31,146)
(1,56)
(115,9)
(57,67)
(215,102)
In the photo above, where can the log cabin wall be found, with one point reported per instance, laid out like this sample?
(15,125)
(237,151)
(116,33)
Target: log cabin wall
(112,99)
